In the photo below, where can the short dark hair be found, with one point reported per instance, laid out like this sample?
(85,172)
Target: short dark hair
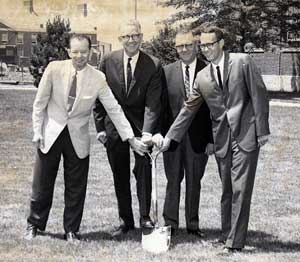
(80,38)
(209,28)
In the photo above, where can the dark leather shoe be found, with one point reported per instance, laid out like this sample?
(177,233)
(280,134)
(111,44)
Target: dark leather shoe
(31,232)
(196,232)
(121,230)
(218,242)
(72,237)
(146,222)
(173,230)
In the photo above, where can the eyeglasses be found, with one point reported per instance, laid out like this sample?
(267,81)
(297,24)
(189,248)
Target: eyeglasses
(209,45)
(186,46)
(134,37)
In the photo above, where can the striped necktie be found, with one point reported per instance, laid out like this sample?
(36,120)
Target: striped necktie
(72,93)
(187,81)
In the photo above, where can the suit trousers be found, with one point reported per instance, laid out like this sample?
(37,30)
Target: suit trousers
(75,180)
(237,172)
(179,163)
(119,159)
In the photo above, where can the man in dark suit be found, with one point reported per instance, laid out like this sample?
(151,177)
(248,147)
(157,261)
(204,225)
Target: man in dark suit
(135,80)
(234,91)
(188,159)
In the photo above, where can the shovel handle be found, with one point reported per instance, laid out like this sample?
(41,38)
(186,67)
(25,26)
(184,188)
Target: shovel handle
(153,158)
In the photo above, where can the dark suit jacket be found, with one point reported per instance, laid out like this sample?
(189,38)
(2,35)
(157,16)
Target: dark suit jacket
(243,106)
(200,131)
(141,104)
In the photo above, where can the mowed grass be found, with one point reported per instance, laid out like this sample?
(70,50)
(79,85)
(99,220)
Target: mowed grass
(274,229)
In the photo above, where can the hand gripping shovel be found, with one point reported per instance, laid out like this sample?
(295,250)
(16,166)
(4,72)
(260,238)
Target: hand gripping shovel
(158,239)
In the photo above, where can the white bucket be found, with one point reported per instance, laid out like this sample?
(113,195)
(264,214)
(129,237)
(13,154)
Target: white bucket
(158,240)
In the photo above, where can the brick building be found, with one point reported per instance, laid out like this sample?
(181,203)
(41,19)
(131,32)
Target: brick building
(16,44)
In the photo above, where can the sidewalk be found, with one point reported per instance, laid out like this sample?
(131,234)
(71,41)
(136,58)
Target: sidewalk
(284,99)
(18,87)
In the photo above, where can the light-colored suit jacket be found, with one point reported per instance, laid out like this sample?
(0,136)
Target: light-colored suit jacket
(242,107)
(50,115)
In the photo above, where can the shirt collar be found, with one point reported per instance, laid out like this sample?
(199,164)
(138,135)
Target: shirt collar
(191,65)
(73,70)
(134,58)
(221,62)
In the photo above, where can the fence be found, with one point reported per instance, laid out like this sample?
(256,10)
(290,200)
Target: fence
(280,70)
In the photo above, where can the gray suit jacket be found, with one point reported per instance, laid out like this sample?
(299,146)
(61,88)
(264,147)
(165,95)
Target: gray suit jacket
(242,106)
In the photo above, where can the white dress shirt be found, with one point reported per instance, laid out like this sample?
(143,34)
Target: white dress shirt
(192,69)
(132,63)
(221,65)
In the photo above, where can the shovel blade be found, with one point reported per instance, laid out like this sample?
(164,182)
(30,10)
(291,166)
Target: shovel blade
(158,240)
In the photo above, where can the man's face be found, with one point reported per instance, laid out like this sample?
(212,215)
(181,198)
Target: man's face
(131,39)
(186,47)
(79,52)
(211,47)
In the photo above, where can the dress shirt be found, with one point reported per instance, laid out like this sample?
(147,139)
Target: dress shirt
(221,65)
(192,69)
(132,63)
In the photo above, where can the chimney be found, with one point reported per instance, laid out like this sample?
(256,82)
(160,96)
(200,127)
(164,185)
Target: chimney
(82,8)
(28,4)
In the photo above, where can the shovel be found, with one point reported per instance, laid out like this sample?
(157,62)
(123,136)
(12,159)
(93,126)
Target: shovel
(158,239)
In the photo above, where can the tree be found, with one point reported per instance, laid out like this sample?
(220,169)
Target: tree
(50,46)
(262,22)
(162,46)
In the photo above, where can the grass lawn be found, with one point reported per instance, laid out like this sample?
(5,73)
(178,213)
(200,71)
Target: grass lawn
(274,229)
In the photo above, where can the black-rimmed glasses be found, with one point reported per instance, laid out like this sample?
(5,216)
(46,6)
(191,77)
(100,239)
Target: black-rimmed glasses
(186,46)
(134,37)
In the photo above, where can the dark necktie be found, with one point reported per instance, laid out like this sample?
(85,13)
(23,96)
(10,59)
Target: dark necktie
(72,93)
(219,77)
(187,81)
(129,74)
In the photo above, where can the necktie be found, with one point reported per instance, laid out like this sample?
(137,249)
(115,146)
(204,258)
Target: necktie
(72,93)
(129,74)
(187,81)
(219,77)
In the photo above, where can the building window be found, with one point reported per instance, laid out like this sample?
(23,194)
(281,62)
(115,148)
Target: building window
(9,52)
(20,38)
(4,38)
(20,51)
(33,39)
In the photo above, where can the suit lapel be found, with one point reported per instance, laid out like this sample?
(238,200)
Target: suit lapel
(67,81)
(82,84)
(198,68)
(178,78)
(227,68)
(119,63)
(137,72)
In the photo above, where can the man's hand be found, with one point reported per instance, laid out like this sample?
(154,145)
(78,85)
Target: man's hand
(262,140)
(38,141)
(209,149)
(147,138)
(166,144)
(138,146)
(102,137)
(158,140)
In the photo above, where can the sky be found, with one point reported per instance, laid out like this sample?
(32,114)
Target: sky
(104,15)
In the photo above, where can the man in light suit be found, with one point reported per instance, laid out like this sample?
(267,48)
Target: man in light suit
(189,158)
(234,91)
(135,79)
(61,112)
